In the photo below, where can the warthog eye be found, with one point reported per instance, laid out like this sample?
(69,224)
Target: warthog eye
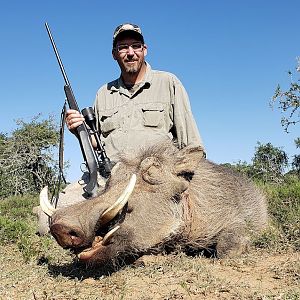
(186,175)
(176,198)
(73,233)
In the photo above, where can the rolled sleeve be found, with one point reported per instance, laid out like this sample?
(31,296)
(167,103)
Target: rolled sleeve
(184,122)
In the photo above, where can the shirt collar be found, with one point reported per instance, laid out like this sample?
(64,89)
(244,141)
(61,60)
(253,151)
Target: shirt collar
(120,86)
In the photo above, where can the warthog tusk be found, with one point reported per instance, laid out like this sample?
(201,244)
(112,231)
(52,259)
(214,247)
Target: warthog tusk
(112,211)
(109,235)
(46,206)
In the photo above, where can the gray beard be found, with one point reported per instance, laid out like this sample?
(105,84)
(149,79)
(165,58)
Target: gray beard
(131,70)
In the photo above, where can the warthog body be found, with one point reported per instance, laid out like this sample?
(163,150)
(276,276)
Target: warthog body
(180,201)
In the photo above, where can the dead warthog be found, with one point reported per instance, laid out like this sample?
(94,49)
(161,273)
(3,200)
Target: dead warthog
(175,199)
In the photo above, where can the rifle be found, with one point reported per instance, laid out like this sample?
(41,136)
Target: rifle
(95,160)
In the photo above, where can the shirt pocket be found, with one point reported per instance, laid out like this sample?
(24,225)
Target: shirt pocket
(110,120)
(153,114)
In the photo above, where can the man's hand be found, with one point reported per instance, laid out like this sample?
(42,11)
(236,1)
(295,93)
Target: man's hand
(73,119)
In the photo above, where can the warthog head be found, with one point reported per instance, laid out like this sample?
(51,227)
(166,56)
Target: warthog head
(160,198)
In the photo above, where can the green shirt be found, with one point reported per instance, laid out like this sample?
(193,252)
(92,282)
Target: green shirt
(158,109)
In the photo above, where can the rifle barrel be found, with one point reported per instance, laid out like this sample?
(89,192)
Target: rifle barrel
(57,55)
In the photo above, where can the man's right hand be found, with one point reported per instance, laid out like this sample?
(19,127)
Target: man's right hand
(73,119)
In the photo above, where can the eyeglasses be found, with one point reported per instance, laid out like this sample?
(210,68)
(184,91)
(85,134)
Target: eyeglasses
(123,48)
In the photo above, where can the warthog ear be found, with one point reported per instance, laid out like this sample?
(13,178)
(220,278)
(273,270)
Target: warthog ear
(187,161)
(151,170)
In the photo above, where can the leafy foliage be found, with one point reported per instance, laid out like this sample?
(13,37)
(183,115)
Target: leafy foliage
(26,157)
(296,158)
(242,167)
(284,209)
(269,163)
(18,226)
(289,101)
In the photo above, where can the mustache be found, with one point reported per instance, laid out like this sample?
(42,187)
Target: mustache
(130,59)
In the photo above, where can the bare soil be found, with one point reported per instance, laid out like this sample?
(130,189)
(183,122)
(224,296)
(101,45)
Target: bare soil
(257,275)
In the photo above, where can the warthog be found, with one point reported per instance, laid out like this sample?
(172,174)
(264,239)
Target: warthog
(175,199)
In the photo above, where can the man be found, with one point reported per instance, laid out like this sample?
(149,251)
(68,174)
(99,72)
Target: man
(142,106)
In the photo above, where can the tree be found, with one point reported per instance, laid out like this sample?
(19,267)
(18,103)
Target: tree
(269,163)
(296,159)
(289,101)
(242,167)
(26,157)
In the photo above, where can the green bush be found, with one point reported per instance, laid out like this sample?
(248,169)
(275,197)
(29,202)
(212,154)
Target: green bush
(18,226)
(284,210)
(18,206)
(11,230)
(27,160)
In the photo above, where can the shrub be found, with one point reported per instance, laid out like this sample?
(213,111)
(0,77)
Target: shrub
(27,157)
(18,226)
(284,209)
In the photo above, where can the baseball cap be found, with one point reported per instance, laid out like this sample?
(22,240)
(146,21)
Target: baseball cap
(127,27)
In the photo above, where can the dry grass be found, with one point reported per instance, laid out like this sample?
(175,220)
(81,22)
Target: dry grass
(257,275)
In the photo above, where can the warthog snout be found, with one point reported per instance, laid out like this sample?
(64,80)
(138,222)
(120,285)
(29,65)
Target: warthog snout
(67,237)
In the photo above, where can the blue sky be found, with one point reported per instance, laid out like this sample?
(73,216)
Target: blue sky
(230,55)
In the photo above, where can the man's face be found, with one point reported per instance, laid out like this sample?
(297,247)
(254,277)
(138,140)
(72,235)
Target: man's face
(130,54)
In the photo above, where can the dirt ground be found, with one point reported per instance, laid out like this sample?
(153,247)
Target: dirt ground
(257,275)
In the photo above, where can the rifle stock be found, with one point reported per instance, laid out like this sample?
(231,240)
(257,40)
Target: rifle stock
(85,146)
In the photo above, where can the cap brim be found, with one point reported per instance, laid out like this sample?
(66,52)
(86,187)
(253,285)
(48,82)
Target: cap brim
(128,33)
